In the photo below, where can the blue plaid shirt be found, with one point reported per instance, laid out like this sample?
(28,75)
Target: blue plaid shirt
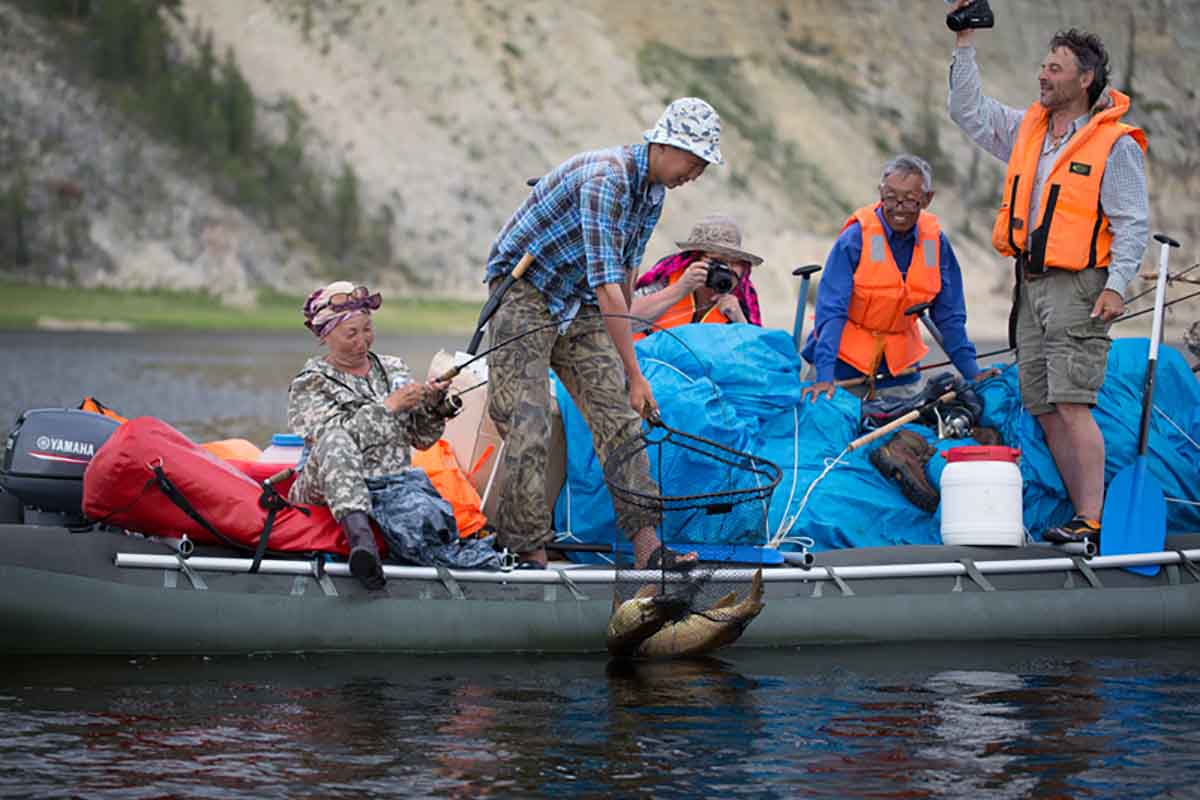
(586,224)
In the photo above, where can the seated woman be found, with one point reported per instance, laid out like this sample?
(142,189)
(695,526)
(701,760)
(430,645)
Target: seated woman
(678,289)
(360,415)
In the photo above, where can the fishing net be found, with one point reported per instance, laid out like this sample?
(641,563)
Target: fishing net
(723,517)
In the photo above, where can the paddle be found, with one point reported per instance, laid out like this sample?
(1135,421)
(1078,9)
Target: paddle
(489,308)
(1135,512)
(805,273)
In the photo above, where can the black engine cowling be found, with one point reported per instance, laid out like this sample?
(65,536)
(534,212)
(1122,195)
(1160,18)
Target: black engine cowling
(45,456)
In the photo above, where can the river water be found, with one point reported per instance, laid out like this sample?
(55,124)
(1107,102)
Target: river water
(208,385)
(1115,720)
(1093,719)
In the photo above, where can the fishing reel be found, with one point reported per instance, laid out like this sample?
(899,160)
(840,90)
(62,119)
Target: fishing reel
(953,419)
(956,418)
(449,407)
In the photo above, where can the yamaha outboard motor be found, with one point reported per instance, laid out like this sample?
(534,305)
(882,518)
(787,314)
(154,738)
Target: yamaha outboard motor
(44,459)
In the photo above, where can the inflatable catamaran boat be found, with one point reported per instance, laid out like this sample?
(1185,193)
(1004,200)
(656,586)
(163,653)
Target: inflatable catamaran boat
(68,587)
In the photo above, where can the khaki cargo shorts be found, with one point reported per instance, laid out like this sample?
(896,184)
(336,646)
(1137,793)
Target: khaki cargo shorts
(1061,351)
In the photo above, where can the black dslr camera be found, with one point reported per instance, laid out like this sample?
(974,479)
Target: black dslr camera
(977,14)
(721,279)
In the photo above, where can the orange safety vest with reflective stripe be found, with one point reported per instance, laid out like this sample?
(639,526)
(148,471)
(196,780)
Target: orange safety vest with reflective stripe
(1073,231)
(681,312)
(876,327)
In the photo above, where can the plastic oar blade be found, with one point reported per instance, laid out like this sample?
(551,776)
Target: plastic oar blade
(1135,515)
(735,554)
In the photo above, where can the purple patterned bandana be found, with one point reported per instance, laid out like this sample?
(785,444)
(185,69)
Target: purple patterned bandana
(328,307)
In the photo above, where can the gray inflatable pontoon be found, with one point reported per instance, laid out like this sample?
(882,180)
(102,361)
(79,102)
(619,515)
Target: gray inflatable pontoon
(102,592)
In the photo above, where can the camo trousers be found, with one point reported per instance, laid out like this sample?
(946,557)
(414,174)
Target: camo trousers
(586,361)
(333,475)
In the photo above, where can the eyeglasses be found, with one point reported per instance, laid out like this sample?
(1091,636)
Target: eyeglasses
(354,300)
(911,201)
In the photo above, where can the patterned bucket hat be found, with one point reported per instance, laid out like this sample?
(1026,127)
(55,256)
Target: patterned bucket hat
(690,124)
(718,233)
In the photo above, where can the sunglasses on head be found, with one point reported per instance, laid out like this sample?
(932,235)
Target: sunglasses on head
(354,300)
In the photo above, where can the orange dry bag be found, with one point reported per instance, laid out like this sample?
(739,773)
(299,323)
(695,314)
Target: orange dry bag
(446,476)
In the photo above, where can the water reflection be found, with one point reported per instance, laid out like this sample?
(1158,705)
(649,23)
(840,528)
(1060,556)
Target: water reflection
(1113,720)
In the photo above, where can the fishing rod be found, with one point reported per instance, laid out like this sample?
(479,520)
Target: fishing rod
(919,312)
(1124,317)
(1003,350)
(948,362)
(1178,276)
(454,371)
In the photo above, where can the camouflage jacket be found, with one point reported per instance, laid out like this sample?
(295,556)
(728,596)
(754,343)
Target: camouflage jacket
(322,397)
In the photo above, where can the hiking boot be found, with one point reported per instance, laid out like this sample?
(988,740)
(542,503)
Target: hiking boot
(1077,529)
(364,555)
(903,460)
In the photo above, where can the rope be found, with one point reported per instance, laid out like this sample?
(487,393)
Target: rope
(1191,441)
(671,367)
(787,524)
(1175,425)
(795,469)
(1181,501)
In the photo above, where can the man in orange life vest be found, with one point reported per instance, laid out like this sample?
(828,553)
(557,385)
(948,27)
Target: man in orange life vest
(1074,216)
(888,257)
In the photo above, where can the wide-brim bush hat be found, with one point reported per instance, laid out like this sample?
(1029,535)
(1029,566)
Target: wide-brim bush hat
(718,233)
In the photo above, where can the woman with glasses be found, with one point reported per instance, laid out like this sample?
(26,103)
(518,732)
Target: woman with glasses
(890,256)
(707,280)
(360,415)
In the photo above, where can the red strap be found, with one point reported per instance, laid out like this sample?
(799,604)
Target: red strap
(487,453)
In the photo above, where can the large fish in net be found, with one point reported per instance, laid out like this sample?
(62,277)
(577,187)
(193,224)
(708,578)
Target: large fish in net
(654,626)
(688,609)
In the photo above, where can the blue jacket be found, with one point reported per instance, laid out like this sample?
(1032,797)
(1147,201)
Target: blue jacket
(949,310)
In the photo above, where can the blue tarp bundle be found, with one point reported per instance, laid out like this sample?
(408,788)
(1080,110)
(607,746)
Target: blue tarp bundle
(739,385)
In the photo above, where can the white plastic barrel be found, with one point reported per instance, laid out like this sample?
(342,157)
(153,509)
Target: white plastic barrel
(981,497)
(285,448)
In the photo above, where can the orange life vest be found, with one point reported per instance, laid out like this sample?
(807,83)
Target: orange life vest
(1074,231)
(876,327)
(96,407)
(439,464)
(682,312)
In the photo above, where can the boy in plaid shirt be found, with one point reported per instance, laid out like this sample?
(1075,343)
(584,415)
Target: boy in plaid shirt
(586,225)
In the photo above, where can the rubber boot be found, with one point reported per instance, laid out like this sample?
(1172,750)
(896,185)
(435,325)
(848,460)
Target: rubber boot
(364,555)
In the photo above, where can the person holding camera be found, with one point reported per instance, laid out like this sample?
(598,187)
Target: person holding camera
(1074,218)
(890,256)
(706,280)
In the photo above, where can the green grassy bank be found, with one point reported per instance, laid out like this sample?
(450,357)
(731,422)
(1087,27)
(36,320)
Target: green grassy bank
(26,306)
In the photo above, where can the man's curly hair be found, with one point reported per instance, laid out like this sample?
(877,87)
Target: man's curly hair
(1090,54)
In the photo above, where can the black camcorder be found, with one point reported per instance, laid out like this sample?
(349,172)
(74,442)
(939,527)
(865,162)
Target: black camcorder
(977,14)
(721,279)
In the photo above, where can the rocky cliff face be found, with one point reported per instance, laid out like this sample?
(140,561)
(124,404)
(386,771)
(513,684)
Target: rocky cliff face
(107,204)
(445,108)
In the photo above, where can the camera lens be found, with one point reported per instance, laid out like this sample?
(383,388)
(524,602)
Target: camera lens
(721,278)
